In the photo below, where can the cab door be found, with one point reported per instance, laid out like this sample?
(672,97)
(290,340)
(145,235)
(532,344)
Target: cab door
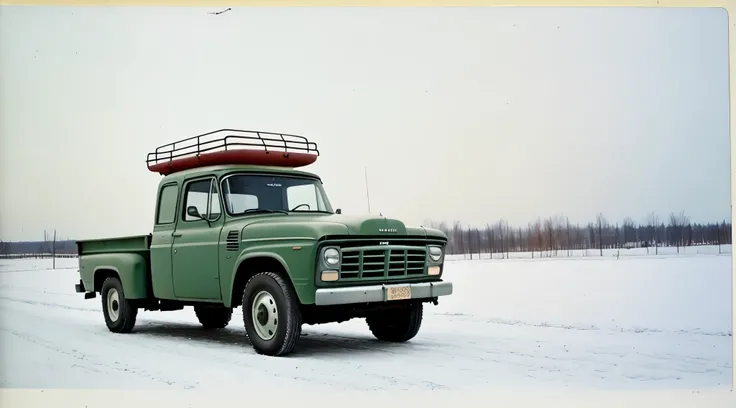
(195,247)
(161,240)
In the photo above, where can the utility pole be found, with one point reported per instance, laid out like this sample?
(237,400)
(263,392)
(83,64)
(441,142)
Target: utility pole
(53,251)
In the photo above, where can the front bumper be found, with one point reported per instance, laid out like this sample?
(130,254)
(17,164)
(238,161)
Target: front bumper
(379,293)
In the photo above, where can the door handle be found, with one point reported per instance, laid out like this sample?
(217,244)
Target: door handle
(176,234)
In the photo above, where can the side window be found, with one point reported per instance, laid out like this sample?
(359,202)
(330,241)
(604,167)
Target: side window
(199,193)
(166,213)
(304,195)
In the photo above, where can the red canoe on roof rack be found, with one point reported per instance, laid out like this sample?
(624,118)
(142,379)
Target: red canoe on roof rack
(232,146)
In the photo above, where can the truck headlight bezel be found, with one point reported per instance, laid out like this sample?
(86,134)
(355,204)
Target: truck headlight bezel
(331,257)
(435,253)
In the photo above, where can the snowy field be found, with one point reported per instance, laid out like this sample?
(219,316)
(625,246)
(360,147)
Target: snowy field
(637,322)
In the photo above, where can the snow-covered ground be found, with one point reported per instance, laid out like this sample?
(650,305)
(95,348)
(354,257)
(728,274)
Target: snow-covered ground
(636,322)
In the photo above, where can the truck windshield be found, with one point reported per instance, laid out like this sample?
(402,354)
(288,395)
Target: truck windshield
(246,193)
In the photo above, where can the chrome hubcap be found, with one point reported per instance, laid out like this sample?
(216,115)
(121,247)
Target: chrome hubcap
(113,304)
(265,315)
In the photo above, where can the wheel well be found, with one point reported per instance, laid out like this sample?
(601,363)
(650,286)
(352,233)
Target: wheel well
(101,275)
(249,268)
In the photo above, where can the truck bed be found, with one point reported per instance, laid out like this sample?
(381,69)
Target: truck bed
(125,258)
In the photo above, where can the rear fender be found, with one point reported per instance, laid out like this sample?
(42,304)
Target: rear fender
(131,269)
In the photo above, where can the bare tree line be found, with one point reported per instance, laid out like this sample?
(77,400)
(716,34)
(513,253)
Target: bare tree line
(555,235)
(50,247)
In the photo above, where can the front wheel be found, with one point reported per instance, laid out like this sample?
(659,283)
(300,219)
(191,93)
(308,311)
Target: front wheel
(271,315)
(396,325)
(119,314)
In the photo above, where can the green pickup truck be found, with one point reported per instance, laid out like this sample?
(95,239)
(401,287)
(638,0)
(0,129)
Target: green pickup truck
(237,224)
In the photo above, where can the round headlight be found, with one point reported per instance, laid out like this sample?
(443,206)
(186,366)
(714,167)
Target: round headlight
(332,256)
(435,253)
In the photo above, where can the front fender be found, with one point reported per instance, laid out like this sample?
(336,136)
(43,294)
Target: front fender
(132,269)
(297,263)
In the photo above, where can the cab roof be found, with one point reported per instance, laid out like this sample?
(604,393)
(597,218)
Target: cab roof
(220,170)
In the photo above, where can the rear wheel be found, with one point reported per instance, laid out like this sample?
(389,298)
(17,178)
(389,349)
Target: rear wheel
(396,325)
(119,314)
(271,315)
(213,317)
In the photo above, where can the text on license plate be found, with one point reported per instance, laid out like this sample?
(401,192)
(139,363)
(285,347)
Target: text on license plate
(398,293)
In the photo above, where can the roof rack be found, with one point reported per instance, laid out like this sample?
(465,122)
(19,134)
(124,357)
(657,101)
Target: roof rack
(233,146)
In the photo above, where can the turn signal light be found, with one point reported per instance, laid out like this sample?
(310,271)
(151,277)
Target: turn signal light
(329,276)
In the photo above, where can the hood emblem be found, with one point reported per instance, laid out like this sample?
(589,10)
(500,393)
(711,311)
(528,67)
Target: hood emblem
(388,230)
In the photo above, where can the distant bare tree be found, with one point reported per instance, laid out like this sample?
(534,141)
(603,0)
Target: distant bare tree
(600,222)
(678,222)
(520,240)
(457,237)
(489,239)
(568,243)
(548,236)
(470,243)
(538,240)
(501,228)
(530,238)
(629,231)
(591,236)
(653,226)
(53,252)
(508,236)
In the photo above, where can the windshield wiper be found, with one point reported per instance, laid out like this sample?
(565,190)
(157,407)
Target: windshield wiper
(266,210)
(313,211)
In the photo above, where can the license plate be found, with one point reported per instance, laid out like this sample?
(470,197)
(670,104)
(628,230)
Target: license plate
(398,293)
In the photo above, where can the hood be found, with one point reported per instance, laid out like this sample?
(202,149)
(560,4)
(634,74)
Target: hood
(318,225)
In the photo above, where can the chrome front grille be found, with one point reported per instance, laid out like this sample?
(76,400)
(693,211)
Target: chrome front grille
(386,262)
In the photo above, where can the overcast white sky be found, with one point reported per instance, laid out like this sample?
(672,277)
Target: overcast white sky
(464,113)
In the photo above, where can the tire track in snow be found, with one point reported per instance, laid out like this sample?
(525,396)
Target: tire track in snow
(145,337)
(635,330)
(36,270)
(132,344)
(90,359)
(49,304)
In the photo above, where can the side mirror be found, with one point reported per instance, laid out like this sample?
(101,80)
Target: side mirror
(193,212)
(338,211)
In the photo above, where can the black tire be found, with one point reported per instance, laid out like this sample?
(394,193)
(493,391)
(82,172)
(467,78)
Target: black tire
(213,317)
(119,314)
(397,326)
(286,323)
